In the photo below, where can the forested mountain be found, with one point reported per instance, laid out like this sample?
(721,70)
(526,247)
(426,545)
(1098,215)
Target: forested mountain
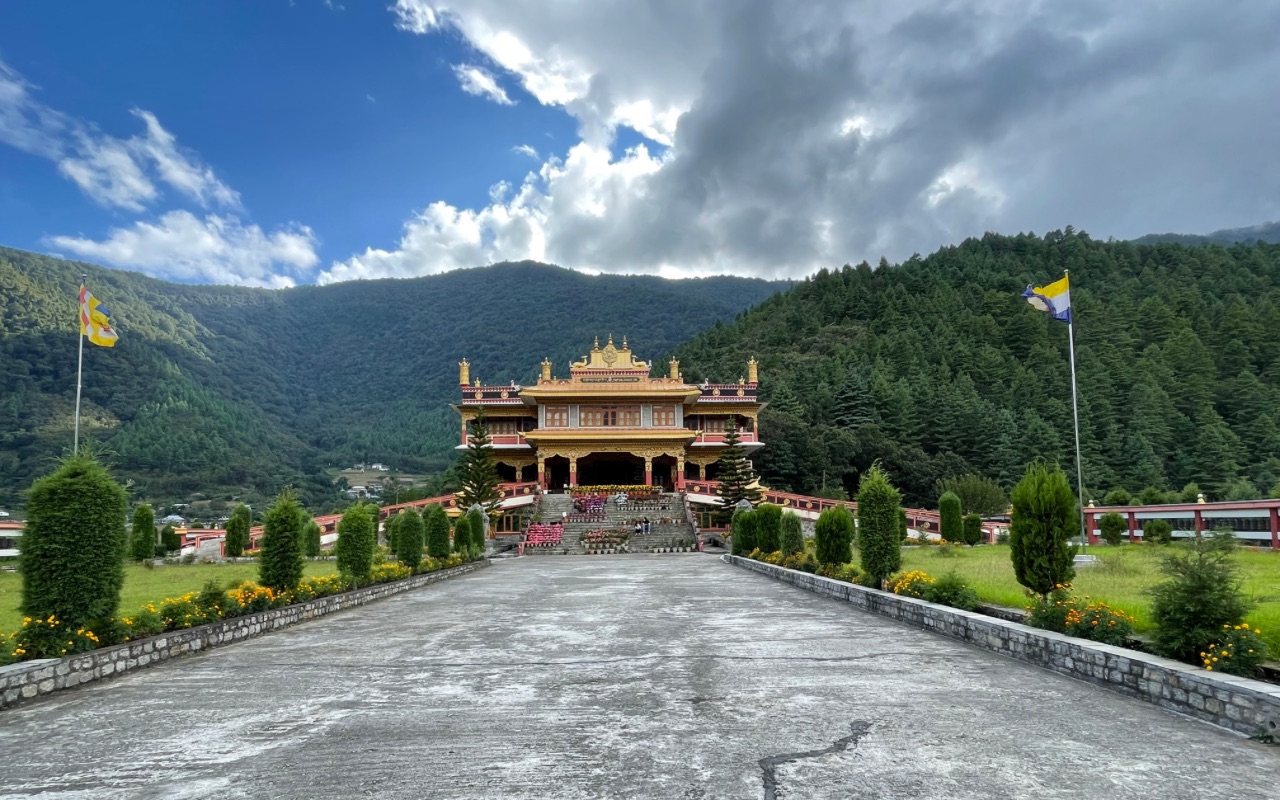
(938,366)
(225,389)
(1268,232)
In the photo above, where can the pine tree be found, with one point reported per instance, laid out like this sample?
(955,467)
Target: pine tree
(782,400)
(1044,520)
(436,522)
(950,521)
(143,544)
(879,535)
(736,476)
(357,540)
(833,536)
(853,404)
(479,476)
(280,564)
(311,537)
(409,538)
(237,537)
(792,539)
(73,545)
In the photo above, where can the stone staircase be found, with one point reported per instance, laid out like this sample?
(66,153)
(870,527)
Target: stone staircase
(676,533)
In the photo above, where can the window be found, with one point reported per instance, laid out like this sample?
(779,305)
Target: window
(557,416)
(664,416)
(609,416)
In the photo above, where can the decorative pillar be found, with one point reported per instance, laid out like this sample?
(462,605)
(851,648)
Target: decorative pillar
(679,473)
(1133,527)
(1275,529)
(1199,523)
(698,464)
(573,470)
(542,472)
(1088,528)
(648,471)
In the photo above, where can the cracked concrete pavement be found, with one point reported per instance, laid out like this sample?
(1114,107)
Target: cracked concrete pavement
(625,676)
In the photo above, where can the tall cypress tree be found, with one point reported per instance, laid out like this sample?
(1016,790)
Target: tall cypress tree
(879,534)
(238,531)
(462,535)
(280,565)
(409,536)
(1044,520)
(311,539)
(736,476)
(357,539)
(479,476)
(73,546)
(950,521)
(436,522)
(143,544)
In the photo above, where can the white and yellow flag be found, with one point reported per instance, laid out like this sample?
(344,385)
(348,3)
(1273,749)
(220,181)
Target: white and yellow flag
(94,321)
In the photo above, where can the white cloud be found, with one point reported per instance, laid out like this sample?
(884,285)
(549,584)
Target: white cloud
(526,149)
(105,170)
(806,134)
(215,249)
(481,83)
(127,174)
(120,173)
(180,170)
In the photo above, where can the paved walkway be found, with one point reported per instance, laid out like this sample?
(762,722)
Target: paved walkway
(627,676)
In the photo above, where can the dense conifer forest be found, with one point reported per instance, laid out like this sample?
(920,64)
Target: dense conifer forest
(231,390)
(938,367)
(935,367)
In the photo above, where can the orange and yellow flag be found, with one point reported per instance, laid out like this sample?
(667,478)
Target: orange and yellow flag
(94,321)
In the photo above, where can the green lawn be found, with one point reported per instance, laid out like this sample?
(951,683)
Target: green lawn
(142,585)
(1120,579)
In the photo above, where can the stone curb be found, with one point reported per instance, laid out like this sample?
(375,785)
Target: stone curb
(29,680)
(1242,705)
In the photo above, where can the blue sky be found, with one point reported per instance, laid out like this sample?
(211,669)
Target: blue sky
(276,142)
(324,116)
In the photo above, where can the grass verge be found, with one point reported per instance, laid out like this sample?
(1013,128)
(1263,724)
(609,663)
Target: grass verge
(142,585)
(1121,578)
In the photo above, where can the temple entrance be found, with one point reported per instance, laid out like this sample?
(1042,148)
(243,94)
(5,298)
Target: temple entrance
(600,469)
(557,468)
(665,472)
(506,473)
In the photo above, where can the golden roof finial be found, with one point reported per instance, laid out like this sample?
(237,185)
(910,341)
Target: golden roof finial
(596,346)
(611,338)
(624,341)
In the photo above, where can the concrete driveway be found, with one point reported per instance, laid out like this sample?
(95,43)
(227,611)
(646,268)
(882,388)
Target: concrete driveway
(627,676)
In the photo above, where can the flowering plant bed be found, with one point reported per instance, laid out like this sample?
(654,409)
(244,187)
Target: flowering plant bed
(50,638)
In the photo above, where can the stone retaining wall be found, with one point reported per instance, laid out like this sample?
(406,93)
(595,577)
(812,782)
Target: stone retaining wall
(1238,704)
(28,680)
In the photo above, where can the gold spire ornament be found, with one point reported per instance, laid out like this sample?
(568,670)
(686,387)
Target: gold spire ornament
(464,372)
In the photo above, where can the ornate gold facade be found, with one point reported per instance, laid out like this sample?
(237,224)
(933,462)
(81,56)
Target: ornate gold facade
(610,421)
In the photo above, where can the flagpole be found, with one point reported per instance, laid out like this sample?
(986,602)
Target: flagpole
(75,444)
(1075,417)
